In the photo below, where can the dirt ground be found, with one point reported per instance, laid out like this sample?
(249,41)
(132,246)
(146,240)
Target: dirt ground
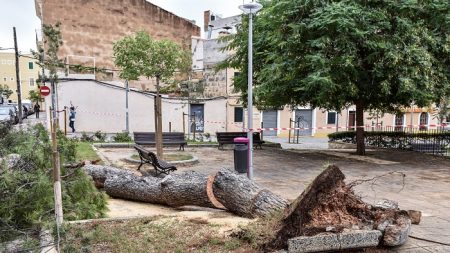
(426,186)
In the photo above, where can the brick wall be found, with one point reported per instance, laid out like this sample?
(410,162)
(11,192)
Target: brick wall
(89,28)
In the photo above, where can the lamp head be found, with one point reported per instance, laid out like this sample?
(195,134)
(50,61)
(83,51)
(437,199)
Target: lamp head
(250,8)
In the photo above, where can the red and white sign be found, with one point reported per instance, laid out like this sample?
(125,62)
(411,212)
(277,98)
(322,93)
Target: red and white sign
(45,90)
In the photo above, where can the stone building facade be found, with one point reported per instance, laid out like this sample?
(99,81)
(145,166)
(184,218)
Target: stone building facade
(90,28)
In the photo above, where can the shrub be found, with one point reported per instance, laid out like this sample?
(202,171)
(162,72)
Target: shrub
(122,137)
(26,189)
(86,137)
(101,137)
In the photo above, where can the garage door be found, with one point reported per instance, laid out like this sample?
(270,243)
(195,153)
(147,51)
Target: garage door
(303,118)
(270,120)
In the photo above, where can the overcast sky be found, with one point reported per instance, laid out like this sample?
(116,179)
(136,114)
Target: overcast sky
(22,15)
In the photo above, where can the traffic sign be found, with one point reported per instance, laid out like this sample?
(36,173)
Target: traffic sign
(45,90)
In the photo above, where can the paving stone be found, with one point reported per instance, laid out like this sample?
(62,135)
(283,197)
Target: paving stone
(359,239)
(318,243)
(327,242)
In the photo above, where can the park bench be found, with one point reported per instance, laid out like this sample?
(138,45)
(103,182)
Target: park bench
(149,157)
(434,148)
(168,139)
(228,138)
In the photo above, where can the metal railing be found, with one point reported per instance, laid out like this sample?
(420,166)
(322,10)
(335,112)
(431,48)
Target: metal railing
(431,141)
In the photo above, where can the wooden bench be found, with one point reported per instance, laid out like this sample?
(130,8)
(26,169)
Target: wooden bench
(168,139)
(228,138)
(149,157)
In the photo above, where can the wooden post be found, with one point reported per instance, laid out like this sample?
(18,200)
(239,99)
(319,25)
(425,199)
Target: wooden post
(19,93)
(158,126)
(56,161)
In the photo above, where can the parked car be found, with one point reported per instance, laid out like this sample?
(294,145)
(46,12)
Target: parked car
(29,106)
(14,110)
(8,115)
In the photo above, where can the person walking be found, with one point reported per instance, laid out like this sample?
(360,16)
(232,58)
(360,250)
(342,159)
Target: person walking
(37,108)
(25,112)
(72,114)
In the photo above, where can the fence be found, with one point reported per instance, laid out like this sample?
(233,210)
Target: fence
(435,141)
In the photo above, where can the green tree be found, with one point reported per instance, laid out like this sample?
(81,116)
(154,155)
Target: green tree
(34,96)
(5,91)
(377,55)
(140,55)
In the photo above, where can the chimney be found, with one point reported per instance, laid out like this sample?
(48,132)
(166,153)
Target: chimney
(206,19)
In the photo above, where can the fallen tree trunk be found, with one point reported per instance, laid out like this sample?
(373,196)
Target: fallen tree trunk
(226,189)
(245,197)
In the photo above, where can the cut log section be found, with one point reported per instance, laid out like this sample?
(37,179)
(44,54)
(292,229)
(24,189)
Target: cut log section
(225,190)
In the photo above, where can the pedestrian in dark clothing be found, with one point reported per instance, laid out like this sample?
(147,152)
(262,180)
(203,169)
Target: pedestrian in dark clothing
(37,108)
(25,112)
(72,118)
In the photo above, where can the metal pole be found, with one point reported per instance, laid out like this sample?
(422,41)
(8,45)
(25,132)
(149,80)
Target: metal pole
(127,120)
(290,124)
(184,125)
(250,97)
(65,120)
(19,93)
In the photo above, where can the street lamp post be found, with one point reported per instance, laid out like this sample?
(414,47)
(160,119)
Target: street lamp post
(250,9)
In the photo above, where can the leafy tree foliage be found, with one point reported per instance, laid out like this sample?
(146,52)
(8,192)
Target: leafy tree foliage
(26,186)
(34,96)
(5,91)
(377,55)
(140,55)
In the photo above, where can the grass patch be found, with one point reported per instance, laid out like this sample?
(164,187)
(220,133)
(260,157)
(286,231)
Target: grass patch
(171,157)
(155,234)
(85,151)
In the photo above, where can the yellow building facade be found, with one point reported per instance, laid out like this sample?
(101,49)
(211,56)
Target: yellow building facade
(28,73)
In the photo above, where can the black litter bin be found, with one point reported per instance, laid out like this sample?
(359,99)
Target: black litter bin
(240,154)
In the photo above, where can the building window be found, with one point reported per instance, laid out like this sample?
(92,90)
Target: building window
(11,79)
(331,118)
(236,74)
(5,79)
(399,119)
(4,62)
(10,62)
(238,114)
(31,81)
(423,121)
(30,65)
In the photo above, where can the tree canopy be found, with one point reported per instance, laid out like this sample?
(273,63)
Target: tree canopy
(377,55)
(140,55)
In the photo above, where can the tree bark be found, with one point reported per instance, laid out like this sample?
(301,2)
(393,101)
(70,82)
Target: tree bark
(244,197)
(360,146)
(158,125)
(236,193)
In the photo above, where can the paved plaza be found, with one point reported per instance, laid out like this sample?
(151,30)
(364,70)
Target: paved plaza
(426,186)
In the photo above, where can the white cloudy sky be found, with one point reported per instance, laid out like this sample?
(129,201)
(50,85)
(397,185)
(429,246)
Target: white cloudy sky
(22,15)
